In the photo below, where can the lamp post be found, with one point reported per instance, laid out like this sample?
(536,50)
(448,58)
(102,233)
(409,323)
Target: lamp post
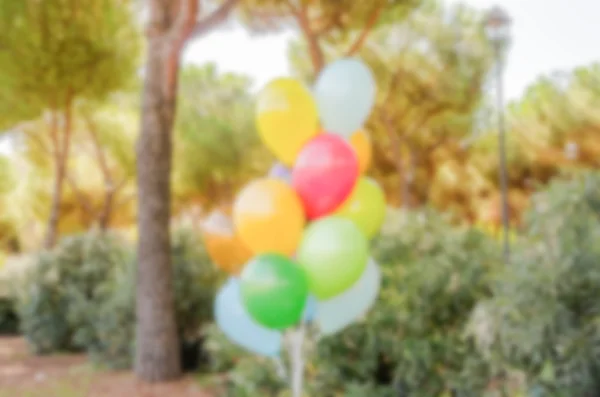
(497,28)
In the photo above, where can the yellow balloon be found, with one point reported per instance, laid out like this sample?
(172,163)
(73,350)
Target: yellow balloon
(223,245)
(361,143)
(286,118)
(269,217)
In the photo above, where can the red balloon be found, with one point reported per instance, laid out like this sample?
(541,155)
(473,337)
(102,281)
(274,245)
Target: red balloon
(325,173)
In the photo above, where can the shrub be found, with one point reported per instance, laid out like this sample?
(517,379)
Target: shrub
(195,280)
(413,341)
(64,288)
(542,321)
(81,296)
(9,321)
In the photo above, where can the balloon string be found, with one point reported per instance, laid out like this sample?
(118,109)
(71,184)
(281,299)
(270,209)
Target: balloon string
(297,360)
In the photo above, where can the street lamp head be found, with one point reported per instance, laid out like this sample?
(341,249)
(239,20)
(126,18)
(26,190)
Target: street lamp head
(497,25)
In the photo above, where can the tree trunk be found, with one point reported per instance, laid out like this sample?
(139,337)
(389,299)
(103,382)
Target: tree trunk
(172,23)
(110,190)
(106,212)
(60,153)
(157,355)
(408,179)
(315,51)
(404,189)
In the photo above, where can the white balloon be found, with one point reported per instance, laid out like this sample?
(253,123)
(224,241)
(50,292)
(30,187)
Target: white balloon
(337,313)
(345,94)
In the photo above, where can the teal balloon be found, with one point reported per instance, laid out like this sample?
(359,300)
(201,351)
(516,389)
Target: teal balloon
(345,95)
(235,322)
(334,254)
(335,314)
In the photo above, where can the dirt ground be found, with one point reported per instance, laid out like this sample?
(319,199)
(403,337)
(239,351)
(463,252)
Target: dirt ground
(23,375)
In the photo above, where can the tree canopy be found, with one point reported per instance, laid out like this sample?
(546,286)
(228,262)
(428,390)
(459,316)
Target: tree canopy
(433,129)
(56,50)
(217,147)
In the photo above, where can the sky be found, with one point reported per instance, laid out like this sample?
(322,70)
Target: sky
(548,36)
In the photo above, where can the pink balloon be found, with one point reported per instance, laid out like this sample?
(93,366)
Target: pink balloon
(325,173)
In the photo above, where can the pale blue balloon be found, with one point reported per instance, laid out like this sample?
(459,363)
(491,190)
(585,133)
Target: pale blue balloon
(337,313)
(235,322)
(345,95)
(310,310)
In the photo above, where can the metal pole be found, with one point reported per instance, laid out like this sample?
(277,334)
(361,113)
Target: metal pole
(502,151)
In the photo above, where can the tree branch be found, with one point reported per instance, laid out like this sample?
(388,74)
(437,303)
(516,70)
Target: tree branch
(100,155)
(213,19)
(369,25)
(54,135)
(84,201)
(314,48)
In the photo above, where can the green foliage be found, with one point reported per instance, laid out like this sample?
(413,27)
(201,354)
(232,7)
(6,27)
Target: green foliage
(9,320)
(195,282)
(65,286)
(433,276)
(81,296)
(543,318)
(57,50)
(218,147)
(414,338)
(326,19)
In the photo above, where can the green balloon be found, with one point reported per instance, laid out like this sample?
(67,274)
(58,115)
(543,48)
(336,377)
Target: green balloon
(365,207)
(274,290)
(334,254)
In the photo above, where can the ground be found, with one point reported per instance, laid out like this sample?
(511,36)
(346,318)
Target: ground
(23,375)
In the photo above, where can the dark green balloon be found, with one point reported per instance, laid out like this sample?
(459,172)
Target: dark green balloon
(274,290)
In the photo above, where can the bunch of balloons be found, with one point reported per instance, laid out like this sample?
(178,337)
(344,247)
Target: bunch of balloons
(307,224)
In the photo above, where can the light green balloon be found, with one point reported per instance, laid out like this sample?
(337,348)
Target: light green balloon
(365,207)
(334,254)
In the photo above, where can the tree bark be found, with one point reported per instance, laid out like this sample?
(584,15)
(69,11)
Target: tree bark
(60,153)
(110,189)
(171,24)
(157,346)
(312,38)
(407,180)
(364,33)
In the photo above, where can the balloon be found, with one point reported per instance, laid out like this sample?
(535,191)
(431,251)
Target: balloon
(235,322)
(286,118)
(310,310)
(222,244)
(325,174)
(345,95)
(274,290)
(334,253)
(365,207)
(337,313)
(268,217)
(280,171)
(361,143)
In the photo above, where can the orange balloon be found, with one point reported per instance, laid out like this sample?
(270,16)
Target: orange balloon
(361,143)
(268,217)
(223,245)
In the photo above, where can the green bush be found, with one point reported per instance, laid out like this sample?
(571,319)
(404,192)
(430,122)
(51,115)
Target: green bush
(542,323)
(9,320)
(195,281)
(414,339)
(64,288)
(81,296)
